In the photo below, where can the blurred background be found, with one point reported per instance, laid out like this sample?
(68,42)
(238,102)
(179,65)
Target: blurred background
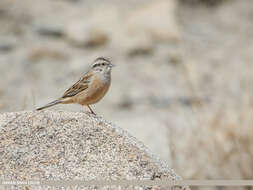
(184,78)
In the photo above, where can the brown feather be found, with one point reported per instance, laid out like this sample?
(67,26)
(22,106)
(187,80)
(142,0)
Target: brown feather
(79,86)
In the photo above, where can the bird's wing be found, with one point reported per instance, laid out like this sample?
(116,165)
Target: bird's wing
(79,86)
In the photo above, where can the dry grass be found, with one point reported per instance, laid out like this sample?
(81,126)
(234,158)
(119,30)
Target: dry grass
(218,144)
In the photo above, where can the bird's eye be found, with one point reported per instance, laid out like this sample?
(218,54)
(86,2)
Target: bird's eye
(103,64)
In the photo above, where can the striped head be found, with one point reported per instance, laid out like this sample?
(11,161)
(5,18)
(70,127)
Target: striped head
(102,65)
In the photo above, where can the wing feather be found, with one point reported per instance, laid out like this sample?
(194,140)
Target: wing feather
(79,86)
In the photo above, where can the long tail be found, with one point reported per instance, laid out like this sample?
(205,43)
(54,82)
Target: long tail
(49,105)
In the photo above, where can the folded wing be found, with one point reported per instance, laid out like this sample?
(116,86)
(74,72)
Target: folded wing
(79,86)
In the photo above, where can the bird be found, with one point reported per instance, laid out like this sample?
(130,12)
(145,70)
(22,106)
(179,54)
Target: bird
(90,88)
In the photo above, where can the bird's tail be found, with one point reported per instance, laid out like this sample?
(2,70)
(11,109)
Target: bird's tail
(49,105)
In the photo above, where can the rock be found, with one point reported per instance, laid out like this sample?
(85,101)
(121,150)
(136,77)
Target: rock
(65,145)
(96,38)
(38,53)
(7,43)
(139,45)
(81,34)
(206,2)
(49,30)
(133,31)
(150,18)
(6,47)
(142,28)
(96,31)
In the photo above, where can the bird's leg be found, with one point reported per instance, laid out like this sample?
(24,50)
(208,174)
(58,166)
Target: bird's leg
(91,110)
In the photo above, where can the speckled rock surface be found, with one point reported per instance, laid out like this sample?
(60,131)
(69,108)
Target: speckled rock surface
(66,145)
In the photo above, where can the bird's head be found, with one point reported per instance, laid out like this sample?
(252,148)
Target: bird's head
(102,65)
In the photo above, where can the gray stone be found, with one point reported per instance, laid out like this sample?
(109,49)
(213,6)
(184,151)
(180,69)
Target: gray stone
(8,43)
(206,2)
(66,145)
(81,34)
(49,30)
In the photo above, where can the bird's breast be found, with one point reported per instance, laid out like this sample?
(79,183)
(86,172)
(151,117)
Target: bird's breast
(96,90)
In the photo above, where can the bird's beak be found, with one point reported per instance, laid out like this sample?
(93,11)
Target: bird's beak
(112,65)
